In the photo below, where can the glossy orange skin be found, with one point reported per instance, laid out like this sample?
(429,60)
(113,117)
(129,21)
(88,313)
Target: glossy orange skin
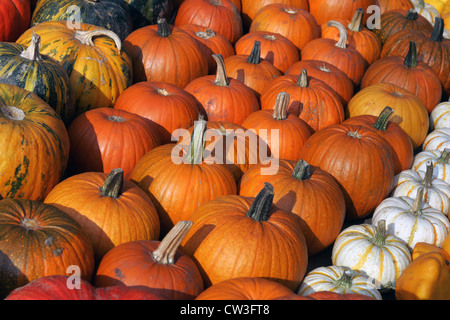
(317,104)
(132,264)
(318,200)
(388,5)
(287,21)
(328,73)
(100,144)
(275,48)
(166,105)
(345,157)
(326,10)
(168,184)
(107,221)
(226,243)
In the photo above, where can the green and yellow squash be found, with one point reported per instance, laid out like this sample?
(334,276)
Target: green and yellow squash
(147,12)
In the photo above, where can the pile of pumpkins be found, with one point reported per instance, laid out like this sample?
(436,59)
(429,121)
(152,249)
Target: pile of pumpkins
(112,117)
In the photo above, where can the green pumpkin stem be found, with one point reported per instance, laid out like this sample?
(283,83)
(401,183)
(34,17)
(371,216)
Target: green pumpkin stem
(428,174)
(113,185)
(255,55)
(281,106)
(343,36)
(32,52)
(445,157)
(380,235)
(438,30)
(221,73)
(167,248)
(302,170)
(163,28)
(262,205)
(418,201)
(197,144)
(412,15)
(411,57)
(382,121)
(346,280)
(303,80)
(356,24)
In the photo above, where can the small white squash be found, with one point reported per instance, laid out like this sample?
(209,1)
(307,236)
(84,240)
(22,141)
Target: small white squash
(426,10)
(440,161)
(440,116)
(438,139)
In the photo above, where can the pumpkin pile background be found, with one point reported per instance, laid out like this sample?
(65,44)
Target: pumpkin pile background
(357,209)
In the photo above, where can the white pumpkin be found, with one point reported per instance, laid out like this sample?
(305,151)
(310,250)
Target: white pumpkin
(372,251)
(412,220)
(337,279)
(436,191)
(440,161)
(440,116)
(426,10)
(438,139)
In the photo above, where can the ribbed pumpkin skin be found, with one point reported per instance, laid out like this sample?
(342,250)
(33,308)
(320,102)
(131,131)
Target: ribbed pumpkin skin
(103,139)
(387,5)
(46,78)
(226,243)
(165,183)
(15,16)
(132,264)
(98,73)
(326,10)
(34,151)
(38,240)
(117,20)
(348,151)
(317,200)
(107,221)
(168,106)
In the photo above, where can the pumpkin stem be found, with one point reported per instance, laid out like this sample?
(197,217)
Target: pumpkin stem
(255,55)
(354,134)
(438,30)
(197,144)
(12,113)
(165,253)
(346,280)
(412,14)
(342,42)
(445,157)
(356,24)
(380,235)
(113,185)
(30,224)
(303,80)
(221,73)
(302,170)
(86,37)
(261,206)
(428,174)
(415,209)
(32,52)
(207,34)
(163,28)
(383,119)
(411,57)
(281,106)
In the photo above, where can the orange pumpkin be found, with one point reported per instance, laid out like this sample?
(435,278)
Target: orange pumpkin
(326,10)
(388,5)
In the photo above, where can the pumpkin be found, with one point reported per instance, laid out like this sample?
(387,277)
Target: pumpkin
(326,10)
(222,16)
(110,210)
(166,105)
(329,295)
(275,48)
(15,16)
(38,240)
(231,232)
(426,10)
(211,43)
(328,73)
(147,12)
(438,139)
(167,177)
(98,69)
(340,280)
(337,53)
(305,190)
(345,151)
(388,5)
(436,191)
(251,7)
(371,249)
(440,116)
(165,53)
(358,36)
(245,288)
(35,145)
(103,139)
(159,265)
(402,148)
(410,113)
(27,68)
(317,104)
(91,12)
(223,98)
(56,288)
(393,21)
(408,73)
(251,70)
(440,161)
(287,20)
(288,131)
